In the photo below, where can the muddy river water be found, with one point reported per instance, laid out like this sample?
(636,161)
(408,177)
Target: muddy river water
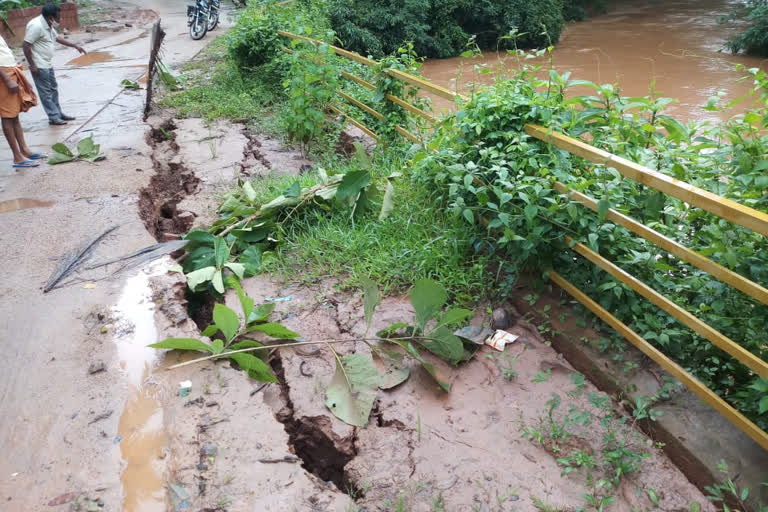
(678,44)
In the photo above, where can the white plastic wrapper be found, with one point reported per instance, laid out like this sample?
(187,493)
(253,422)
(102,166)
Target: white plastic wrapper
(500,339)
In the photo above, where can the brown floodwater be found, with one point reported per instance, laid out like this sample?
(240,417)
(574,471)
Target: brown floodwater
(676,44)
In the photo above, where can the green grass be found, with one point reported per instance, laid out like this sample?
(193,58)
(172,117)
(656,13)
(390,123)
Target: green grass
(215,89)
(417,240)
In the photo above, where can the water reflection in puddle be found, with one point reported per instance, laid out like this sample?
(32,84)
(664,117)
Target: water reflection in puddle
(141,434)
(23,203)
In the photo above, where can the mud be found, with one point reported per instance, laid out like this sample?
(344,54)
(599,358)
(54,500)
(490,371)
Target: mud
(401,455)
(170,183)
(91,58)
(23,203)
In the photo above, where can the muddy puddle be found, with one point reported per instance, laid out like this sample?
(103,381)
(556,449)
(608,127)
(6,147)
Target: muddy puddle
(141,433)
(91,58)
(23,203)
(675,45)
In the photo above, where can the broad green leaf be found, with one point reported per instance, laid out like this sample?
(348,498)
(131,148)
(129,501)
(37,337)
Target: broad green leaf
(217,347)
(261,313)
(183,344)
(455,316)
(253,235)
(370,300)
(274,330)
(237,268)
(352,183)
(427,297)
(279,203)
(361,157)
(240,345)
(218,281)
(251,259)
(210,330)
(94,158)
(226,320)
(388,203)
(221,249)
(443,343)
(58,158)
(328,192)
(603,206)
(255,367)
(198,235)
(388,332)
(199,258)
(194,279)
(429,367)
(293,191)
(62,149)
(760,166)
(653,497)
(250,193)
(87,148)
(352,390)
(395,370)
(530,212)
(246,302)
(763,405)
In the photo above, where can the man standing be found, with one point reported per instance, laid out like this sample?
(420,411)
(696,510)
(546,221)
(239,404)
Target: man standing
(38,49)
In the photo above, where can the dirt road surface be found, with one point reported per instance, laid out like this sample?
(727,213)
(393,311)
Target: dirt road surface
(58,422)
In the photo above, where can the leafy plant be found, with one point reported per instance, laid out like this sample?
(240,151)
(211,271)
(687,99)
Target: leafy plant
(233,334)
(351,393)
(87,149)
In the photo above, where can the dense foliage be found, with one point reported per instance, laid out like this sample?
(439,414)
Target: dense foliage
(443,28)
(754,39)
(490,170)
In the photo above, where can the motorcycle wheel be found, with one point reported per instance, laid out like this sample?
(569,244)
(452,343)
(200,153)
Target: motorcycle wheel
(198,27)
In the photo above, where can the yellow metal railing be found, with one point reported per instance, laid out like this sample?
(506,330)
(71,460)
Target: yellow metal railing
(712,203)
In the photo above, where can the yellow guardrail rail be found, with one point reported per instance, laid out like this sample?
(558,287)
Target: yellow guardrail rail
(725,208)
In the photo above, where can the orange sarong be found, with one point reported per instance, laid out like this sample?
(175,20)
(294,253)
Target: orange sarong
(11,105)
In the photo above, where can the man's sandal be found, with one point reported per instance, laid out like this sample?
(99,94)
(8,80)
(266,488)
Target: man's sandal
(26,164)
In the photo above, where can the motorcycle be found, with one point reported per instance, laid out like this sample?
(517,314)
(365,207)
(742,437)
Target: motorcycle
(213,14)
(198,19)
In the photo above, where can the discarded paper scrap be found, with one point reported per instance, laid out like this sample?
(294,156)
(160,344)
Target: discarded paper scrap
(500,339)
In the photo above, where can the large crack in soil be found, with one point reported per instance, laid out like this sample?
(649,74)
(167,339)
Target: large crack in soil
(171,182)
(320,454)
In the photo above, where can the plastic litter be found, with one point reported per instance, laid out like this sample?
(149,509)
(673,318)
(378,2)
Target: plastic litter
(185,387)
(500,339)
(278,299)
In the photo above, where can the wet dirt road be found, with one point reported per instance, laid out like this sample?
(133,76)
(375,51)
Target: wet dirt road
(67,377)
(678,44)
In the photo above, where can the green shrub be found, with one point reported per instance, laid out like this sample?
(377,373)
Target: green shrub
(442,28)
(754,40)
(499,180)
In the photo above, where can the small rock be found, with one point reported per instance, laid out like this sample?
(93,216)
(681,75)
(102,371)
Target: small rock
(500,318)
(202,467)
(129,24)
(97,367)
(209,450)
(477,333)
